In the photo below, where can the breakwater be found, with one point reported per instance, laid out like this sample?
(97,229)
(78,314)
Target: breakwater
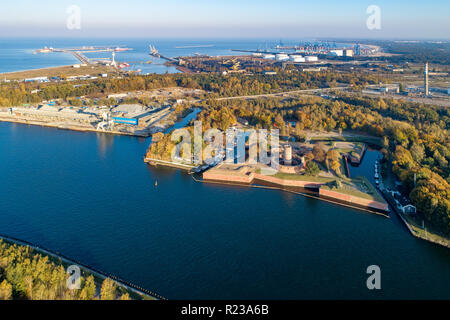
(90,269)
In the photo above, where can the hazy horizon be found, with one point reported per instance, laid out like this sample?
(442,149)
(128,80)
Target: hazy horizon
(201,19)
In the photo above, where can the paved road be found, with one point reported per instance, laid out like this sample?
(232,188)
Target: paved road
(281,94)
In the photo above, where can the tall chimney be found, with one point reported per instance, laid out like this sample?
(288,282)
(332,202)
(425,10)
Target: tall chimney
(426,87)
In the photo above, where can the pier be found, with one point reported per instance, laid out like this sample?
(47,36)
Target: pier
(83,59)
(155,53)
(79,52)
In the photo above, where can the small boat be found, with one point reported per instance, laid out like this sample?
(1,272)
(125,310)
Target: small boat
(156,183)
(376,176)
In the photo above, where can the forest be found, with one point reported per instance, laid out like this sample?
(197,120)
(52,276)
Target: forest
(28,275)
(18,93)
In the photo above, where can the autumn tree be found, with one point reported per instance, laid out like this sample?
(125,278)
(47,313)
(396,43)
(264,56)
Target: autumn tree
(108,290)
(88,292)
(319,152)
(5,290)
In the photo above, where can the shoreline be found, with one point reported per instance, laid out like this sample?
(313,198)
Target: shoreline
(95,272)
(156,162)
(37,69)
(69,127)
(279,188)
(318,188)
(342,200)
(49,72)
(410,228)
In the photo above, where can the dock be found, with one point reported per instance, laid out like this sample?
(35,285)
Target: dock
(155,53)
(79,52)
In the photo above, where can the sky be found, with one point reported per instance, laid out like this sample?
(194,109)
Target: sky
(274,19)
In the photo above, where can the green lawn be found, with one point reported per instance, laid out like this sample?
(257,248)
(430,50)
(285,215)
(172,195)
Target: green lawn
(363,139)
(355,187)
(430,234)
(300,177)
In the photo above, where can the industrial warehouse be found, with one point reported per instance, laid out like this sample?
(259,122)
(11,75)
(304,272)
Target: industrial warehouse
(126,119)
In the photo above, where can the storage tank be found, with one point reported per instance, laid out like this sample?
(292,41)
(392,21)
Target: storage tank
(311,59)
(297,58)
(269,56)
(282,57)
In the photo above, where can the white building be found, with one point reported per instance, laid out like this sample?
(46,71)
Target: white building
(409,209)
(282,57)
(298,58)
(348,53)
(311,59)
(269,56)
(336,53)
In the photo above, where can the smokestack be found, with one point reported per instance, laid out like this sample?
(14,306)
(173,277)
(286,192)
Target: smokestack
(426,87)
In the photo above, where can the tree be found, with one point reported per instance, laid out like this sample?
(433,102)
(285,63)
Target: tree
(319,152)
(88,291)
(333,155)
(125,296)
(431,197)
(5,290)
(108,290)
(157,137)
(336,166)
(417,152)
(403,158)
(312,169)
(309,157)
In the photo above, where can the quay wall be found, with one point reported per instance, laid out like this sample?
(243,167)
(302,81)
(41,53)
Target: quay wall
(354,200)
(247,179)
(67,126)
(323,193)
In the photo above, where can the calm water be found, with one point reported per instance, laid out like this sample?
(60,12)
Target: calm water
(17,54)
(91,197)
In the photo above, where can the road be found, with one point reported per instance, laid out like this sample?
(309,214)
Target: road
(281,94)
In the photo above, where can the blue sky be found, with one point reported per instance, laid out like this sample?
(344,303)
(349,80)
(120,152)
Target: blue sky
(227,19)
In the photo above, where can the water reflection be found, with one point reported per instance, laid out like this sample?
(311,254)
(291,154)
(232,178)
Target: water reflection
(105,142)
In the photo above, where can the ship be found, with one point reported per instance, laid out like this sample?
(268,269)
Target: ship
(118,49)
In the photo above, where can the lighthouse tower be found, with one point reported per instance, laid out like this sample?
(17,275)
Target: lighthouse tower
(113,62)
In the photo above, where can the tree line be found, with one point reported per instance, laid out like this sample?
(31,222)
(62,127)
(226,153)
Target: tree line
(28,275)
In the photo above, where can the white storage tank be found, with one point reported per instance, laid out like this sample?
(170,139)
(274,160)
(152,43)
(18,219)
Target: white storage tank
(311,59)
(297,58)
(269,56)
(282,57)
